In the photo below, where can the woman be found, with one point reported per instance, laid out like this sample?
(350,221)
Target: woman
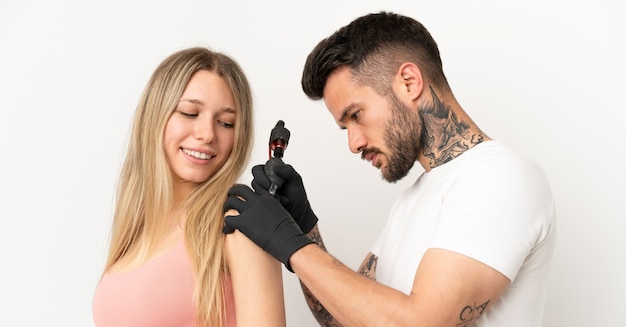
(169,263)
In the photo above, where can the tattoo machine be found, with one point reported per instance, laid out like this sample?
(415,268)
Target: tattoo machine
(279,139)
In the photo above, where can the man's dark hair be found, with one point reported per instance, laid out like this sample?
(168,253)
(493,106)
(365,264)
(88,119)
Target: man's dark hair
(373,47)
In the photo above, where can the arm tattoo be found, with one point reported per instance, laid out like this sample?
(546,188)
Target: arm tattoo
(323,317)
(368,267)
(316,237)
(470,313)
(444,136)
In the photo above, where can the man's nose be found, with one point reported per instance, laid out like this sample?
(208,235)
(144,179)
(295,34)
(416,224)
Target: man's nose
(356,140)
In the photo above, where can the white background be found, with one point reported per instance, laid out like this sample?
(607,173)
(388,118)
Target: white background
(547,77)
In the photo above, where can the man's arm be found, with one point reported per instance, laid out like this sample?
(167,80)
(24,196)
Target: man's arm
(368,266)
(449,289)
(320,313)
(323,317)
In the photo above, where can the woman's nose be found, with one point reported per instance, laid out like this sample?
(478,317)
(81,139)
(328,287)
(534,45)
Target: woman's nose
(203,131)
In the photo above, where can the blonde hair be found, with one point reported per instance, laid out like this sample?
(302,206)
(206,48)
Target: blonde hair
(145,189)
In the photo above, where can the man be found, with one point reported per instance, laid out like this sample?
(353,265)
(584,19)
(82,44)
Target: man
(469,243)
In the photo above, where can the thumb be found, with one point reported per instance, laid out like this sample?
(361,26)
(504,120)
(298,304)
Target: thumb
(230,224)
(228,230)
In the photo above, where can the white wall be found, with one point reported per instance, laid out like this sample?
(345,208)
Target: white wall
(545,76)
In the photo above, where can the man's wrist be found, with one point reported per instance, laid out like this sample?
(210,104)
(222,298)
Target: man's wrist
(298,255)
(297,244)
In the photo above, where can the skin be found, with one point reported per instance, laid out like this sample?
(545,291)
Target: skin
(202,125)
(449,289)
(203,122)
(257,282)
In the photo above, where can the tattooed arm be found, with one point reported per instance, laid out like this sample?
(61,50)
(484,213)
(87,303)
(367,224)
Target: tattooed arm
(320,313)
(367,269)
(368,266)
(449,289)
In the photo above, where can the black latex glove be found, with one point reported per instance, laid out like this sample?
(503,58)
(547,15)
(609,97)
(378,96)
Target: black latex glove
(264,221)
(291,194)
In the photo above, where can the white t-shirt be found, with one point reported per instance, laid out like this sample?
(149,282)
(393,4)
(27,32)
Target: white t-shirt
(489,204)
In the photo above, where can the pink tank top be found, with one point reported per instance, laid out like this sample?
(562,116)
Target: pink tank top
(157,294)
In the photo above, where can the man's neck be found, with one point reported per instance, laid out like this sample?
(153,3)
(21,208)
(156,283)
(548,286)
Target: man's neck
(447,132)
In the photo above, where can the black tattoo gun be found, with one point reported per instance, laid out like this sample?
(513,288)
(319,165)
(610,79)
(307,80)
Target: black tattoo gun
(279,139)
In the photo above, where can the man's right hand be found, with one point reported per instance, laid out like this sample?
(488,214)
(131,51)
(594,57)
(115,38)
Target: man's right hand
(264,221)
(291,194)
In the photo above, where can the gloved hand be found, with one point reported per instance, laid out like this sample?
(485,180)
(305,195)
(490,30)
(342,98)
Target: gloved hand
(264,221)
(291,194)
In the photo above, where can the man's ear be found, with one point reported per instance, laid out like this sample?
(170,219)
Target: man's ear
(410,83)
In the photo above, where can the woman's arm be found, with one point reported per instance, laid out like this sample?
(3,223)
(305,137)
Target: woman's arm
(257,282)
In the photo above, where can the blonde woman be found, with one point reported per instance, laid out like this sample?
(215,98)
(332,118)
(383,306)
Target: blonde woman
(169,263)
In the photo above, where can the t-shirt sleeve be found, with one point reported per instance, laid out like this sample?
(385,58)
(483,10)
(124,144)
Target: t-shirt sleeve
(376,248)
(493,212)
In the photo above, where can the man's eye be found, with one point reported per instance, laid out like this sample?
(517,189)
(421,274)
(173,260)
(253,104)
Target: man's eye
(355,115)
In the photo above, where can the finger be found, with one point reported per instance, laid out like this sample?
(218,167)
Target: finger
(260,184)
(231,212)
(233,202)
(259,171)
(241,191)
(262,191)
(257,167)
(286,171)
(283,200)
(229,224)
(228,230)
(260,178)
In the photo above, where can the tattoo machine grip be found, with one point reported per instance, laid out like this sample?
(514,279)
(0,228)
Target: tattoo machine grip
(279,139)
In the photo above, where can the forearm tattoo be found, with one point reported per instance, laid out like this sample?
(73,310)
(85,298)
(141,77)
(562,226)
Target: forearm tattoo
(316,237)
(323,317)
(444,136)
(467,315)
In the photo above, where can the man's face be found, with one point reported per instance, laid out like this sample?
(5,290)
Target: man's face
(384,130)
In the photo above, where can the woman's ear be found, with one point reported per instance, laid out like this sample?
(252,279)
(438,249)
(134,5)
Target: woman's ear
(409,80)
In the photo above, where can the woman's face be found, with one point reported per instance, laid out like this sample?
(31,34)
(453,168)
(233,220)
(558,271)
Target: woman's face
(199,134)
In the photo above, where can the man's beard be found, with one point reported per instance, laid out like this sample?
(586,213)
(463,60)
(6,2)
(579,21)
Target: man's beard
(402,138)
